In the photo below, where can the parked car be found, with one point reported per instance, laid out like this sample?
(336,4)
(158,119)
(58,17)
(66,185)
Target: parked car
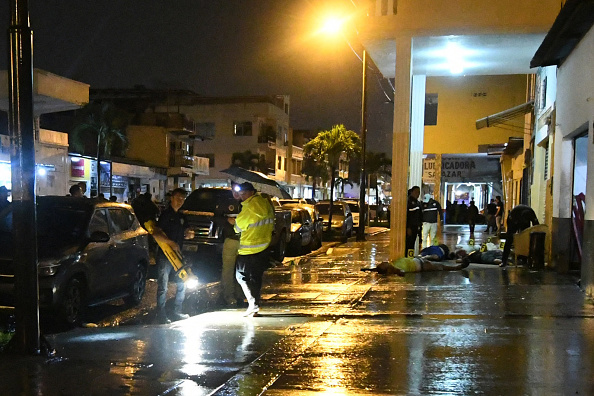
(293,200)
(89,252)
(200,207)
(301,231)
(318,227)
(342,219)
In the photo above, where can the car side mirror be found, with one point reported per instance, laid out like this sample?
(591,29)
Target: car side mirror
(99,236)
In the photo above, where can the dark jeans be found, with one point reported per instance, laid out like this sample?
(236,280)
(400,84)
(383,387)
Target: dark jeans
(165,271)
(249,272)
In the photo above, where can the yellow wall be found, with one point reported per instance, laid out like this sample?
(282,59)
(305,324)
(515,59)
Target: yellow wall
(458,109)
(148,144)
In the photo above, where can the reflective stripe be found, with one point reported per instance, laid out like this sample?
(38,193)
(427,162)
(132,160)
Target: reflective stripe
(237,228)
(261,222)
(253,246)
(413,209)
(428,209)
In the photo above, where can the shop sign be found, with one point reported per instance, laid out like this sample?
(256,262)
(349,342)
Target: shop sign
(429,171)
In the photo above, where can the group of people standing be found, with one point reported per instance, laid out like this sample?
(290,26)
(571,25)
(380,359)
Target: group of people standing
(247,232)
(422,220)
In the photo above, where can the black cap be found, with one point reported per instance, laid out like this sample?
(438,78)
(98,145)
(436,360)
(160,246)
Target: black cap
(247,186)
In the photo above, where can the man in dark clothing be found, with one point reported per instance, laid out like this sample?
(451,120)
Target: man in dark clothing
(472,216)
(431,217)
(231,290)
(173,224)
(414,220)
(519,218)
(499,213)
(491,211)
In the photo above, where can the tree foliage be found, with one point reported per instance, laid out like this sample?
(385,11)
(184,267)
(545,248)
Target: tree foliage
(328,147)
(100,130)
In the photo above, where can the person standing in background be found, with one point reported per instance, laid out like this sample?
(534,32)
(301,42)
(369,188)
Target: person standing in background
(230,208)
(491,211)
(499,213)
(414,221)
(472,216)
(432,213)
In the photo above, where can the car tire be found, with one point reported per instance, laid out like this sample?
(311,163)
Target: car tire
(138,286)
(72,304)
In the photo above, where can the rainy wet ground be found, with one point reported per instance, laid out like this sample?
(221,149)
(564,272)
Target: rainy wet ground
(329,328)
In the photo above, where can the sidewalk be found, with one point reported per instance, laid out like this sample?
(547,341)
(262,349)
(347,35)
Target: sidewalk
(329,327)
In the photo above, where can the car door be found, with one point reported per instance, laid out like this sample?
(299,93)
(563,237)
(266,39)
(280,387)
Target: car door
(307,225)
(124,254)
(98,257)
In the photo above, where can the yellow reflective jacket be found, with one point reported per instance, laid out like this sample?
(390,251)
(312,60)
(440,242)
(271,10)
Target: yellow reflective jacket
(256,223)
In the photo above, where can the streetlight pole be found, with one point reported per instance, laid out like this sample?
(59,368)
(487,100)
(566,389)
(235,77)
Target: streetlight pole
(363,180)
(24,221)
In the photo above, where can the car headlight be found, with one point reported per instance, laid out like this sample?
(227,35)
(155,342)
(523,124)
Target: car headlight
(48,268)
(295,227)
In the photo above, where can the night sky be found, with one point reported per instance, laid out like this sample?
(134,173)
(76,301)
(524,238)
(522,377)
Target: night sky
(213,47)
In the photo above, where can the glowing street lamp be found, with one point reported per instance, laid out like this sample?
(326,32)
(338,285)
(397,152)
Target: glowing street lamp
(334,26)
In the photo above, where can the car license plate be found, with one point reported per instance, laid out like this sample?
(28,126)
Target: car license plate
(190,248)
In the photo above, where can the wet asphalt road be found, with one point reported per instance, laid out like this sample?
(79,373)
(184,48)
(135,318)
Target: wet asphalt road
(328,327)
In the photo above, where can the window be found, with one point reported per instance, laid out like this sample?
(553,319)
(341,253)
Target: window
(285,165)
(279,162)
(431,109)
(211,159)
(242,128)
(205,130)
(384,7)
(99,222)
(121,220)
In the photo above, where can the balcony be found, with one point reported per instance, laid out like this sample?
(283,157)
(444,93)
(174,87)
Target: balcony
(185,165)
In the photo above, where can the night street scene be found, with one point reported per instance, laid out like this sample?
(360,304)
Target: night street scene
(298,197)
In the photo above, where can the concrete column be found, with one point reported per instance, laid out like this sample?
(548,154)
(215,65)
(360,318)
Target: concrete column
(437,188)
(417,130)
(400,146)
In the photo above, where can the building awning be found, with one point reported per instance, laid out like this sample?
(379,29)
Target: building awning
(505,115)
(573,22)
(512,147)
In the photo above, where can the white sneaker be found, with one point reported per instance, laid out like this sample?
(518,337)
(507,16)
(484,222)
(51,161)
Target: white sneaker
(252,311)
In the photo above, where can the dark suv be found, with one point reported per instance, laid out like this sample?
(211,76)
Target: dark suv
(89,252)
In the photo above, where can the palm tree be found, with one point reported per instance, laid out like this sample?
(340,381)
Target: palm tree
(313,171)
(378,166)
(100,126)
(327,148)
(343,181)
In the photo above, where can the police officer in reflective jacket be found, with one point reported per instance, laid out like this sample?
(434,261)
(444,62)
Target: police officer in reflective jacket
(414,220)
(255,222)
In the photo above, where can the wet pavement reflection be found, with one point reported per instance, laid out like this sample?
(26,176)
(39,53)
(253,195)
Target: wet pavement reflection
(327,327)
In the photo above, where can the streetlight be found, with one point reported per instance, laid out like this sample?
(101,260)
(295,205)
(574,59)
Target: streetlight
(333,26)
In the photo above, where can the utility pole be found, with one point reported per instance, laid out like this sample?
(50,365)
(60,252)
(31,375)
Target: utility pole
(21,128)
(363,179)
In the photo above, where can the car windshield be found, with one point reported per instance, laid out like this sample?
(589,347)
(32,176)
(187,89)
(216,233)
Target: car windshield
(295,217)
(354,207)
(59,227)
(324,209)
(206,200)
